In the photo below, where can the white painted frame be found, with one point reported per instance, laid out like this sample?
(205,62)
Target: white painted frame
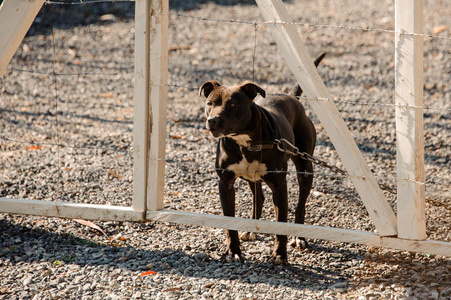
(150,96)
(16,17)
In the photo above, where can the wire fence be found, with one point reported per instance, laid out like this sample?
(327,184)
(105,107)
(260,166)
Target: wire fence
(335,100)
(257,26)
(376,30)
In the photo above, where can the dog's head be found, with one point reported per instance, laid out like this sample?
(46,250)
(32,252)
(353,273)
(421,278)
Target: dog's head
(228,109)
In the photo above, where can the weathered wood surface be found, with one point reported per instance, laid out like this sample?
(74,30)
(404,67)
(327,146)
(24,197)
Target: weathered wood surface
(409,120)
(150,96)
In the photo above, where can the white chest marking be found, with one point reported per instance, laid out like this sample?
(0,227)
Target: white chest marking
(253,171)
(241,139)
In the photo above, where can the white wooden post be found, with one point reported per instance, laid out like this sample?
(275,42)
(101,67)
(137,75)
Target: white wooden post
(409,119)
(150,96)
(301,64)
(16,17)
(141,106)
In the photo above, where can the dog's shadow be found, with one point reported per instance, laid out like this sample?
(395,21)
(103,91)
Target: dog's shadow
(32,244)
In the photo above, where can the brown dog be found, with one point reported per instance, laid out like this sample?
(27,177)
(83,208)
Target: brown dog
(247,131)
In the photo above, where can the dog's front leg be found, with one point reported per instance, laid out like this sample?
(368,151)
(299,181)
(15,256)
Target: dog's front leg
(227,195)
(280,199)
(257,207)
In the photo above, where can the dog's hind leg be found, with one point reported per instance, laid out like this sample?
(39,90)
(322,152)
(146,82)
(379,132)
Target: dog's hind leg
(257,206)
(280,199)
(305,180)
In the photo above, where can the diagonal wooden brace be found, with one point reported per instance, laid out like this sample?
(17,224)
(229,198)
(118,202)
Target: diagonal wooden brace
(302,67)
(16,17)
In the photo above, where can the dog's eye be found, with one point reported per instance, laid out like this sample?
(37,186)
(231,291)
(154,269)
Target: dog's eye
(209,103)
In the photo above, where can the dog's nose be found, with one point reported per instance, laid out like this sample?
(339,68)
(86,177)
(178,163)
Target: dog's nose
(212,121)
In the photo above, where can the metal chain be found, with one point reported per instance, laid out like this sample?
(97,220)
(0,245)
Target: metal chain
(304,155)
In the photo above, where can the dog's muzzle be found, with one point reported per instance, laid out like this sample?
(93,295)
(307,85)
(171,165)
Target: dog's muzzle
(214,125)
(212,122)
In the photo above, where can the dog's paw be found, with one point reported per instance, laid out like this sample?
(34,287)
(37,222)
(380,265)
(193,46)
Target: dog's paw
(299,243)
(233,258)
(248,236)
(277,260)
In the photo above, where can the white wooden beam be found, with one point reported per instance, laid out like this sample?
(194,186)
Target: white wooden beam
(16,17)
(260,226)
(409,120)
(308,231)
(151,69)
(70,210)
(301,64)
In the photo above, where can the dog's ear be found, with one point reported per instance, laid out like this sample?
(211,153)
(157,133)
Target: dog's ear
(251,90)
(208,87)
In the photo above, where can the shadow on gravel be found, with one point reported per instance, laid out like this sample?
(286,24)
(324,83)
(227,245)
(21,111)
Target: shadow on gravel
(66,15)
(15,118)
(35,243)
(185,5)
(380,146)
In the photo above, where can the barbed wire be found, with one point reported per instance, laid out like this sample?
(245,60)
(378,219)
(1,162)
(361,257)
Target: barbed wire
(34,143)
(321,99)
(270,94)
(374,104)
(255,24)
(213,20)
(433,200)
(50,73)
(332,174)
(275,22)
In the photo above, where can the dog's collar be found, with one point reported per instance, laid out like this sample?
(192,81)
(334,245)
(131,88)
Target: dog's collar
(256,148)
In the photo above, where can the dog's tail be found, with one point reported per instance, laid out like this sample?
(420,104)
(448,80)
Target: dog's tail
(297,91)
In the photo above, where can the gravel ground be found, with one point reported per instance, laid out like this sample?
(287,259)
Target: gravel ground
(88,108)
